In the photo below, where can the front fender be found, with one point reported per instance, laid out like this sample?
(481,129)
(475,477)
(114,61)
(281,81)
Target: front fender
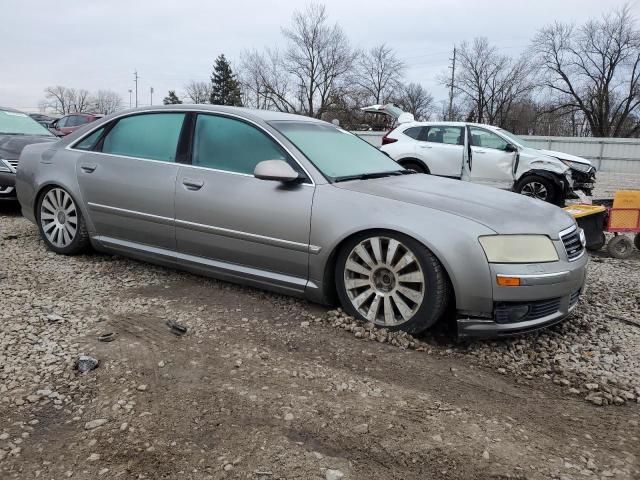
(340,213)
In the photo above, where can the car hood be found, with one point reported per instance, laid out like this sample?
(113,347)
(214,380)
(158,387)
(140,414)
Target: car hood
(501,211)
(11,145)
(565,156)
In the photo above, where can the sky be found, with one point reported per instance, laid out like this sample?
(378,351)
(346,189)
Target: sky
(99,44)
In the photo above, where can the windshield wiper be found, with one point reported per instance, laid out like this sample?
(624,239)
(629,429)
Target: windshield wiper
(367,176)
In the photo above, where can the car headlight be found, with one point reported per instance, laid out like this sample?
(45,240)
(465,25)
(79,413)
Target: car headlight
(518,248)
(581,167)
(4,167)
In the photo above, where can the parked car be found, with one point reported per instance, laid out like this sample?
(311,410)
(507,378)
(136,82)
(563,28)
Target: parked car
(487,155)
(70,123)
(44,120)
(300,206)
(17,130)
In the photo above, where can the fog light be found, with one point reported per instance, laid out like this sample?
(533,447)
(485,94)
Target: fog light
(505,281)
(511,313)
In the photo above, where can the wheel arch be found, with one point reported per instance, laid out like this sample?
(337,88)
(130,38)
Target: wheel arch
(404,160)
(48,185)
(328,280)
(558,180)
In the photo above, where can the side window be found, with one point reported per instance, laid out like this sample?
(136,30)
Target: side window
(227,144)
(153,136)
(486,139)
(63,122)
(89,142)
(74,121)
(448,135)
(417,133)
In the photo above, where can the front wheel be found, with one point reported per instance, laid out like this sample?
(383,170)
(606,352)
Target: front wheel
(538,187)
(61,223)
(391,280)
(415,166)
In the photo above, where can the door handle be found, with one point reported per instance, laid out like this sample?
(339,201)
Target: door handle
(479,151)
(426,146)
(192,184)
(88,167)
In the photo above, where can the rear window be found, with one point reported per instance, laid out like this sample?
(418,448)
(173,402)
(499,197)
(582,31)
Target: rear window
(414,132)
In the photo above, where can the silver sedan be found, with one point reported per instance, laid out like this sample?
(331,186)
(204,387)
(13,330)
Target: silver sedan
(299,206)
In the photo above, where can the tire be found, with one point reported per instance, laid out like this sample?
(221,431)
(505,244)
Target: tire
(636,241)
(408,291)
(620,247)
(60,221)
(594,247)
(414,165)
(542,188)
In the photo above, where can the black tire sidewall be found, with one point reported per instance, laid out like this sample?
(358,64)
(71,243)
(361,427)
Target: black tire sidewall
(429,311)
(79,242)
(552,189)
(614,245)
(416,166)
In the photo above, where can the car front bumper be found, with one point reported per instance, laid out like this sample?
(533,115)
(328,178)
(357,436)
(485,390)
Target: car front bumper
(546,296)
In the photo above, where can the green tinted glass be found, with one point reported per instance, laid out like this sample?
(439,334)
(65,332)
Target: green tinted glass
(227,144)
(153,136)
(89,142)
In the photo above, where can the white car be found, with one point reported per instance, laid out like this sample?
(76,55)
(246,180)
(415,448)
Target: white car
(487,155)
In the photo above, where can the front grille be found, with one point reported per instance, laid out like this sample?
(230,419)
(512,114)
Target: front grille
(13,163)
(572,244)
(537,309)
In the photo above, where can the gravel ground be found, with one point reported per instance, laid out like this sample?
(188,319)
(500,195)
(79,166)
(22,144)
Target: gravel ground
(264,386)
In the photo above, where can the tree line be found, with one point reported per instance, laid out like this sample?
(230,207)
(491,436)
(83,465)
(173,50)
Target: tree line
(575,80)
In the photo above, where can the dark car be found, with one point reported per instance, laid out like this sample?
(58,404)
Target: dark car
(70,123)
(17,130)
(44,120)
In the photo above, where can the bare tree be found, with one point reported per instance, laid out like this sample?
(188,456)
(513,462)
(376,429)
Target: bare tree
(490,82)
(378,73)
(318,57)
(595,68)
(265,83)
(106,102)
(82,101)
(413,98)
(59,99)
(198,92)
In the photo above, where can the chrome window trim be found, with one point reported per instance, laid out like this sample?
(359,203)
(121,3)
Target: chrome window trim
(179,110)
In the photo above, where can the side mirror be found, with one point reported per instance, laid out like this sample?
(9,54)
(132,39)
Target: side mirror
(277,170)
(510,148)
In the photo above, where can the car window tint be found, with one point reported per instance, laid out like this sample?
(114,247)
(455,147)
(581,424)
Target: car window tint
(89,142)
(62,122)
(448,135)
(74,121)
(153,136)
(413,132)
(486,139)
(231,145)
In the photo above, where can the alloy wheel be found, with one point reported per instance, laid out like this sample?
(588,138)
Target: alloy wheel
(59,217)
(384,281)
(535,190)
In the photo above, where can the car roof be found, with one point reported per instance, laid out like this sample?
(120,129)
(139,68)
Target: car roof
(252,113)
(7,109)
(449,124)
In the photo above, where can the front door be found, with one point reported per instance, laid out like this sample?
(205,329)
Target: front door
(127,179)
(244,226)
(491,163)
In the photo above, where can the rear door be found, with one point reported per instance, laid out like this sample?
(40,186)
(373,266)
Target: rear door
(441,147)
(127,175)
(252,228)
(490,163)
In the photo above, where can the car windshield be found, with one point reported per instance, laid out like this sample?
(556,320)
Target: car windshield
(336,152)
(16,123)
(513,138)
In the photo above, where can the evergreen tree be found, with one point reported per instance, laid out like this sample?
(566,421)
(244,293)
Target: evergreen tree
(171,99)
(225,88)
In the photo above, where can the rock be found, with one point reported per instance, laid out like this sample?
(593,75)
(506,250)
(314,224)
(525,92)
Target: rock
(304,324)
(85,363)
(362,428)
(288,417)
(333,474)
(485,455)
(95,423)
(94,457)
(502,371)
(142,388)
(34,398)
(437,438)
(53,318)
(591,386)
(228,467)
(596,399)
(161,364)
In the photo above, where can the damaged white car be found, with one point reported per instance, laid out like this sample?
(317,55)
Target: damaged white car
(485,154)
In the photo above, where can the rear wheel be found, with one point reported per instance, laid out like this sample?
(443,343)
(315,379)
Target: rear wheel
(391,280)
(636,241)
(538,187)
(620,247)
(61,223)
(414,165)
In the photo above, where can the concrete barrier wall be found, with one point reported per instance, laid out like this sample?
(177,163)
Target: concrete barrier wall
(615,155)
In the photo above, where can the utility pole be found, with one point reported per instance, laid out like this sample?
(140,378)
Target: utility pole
(151,101)
(135,79)
(453,76)
(130,91)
